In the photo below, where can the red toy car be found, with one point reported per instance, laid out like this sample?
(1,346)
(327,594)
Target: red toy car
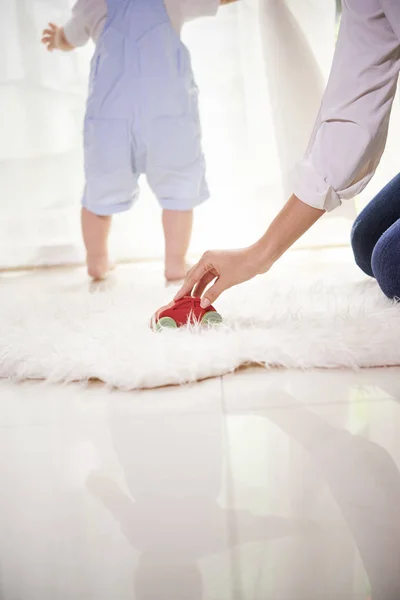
(185,311)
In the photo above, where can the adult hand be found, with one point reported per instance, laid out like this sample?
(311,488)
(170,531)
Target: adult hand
(225,267)
(231,267)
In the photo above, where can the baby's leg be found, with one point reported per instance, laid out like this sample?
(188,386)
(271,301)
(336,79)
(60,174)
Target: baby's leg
(111,186)
(95,231)
(175,170)
(177,226)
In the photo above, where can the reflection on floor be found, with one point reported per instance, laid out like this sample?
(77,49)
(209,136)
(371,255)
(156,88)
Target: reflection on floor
(260,485)
(280,485)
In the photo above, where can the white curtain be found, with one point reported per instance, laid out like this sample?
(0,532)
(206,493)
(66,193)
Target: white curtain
(261,66)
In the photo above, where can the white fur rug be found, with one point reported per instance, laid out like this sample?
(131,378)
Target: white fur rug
(63,333)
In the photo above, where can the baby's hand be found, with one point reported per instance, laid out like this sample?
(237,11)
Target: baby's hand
(54,39)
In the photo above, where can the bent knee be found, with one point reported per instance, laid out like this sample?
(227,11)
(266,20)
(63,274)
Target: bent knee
(386,262)
(362,246)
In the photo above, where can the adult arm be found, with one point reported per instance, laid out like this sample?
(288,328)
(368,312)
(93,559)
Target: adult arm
(344,151)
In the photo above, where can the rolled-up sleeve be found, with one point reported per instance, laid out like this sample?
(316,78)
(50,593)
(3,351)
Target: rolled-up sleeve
(350,134)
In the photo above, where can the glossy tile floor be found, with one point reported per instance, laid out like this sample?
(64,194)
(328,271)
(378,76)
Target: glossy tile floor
(258,485)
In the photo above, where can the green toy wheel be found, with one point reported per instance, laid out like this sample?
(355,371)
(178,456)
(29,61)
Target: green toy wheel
(166,323)
(211,318)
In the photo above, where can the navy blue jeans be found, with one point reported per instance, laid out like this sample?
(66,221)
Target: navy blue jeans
(375,238)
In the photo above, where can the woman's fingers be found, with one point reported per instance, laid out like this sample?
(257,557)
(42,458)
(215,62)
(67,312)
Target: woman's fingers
(214,292)
(189,283)
(192,278)
(201,285)
(222,268)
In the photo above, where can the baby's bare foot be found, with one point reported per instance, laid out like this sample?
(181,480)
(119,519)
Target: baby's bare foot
(175,274)
(99,267)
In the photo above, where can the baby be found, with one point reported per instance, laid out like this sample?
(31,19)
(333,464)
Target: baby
(142,117)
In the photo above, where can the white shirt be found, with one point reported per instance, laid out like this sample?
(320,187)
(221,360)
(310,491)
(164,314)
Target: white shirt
(89,16)
(350,133)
